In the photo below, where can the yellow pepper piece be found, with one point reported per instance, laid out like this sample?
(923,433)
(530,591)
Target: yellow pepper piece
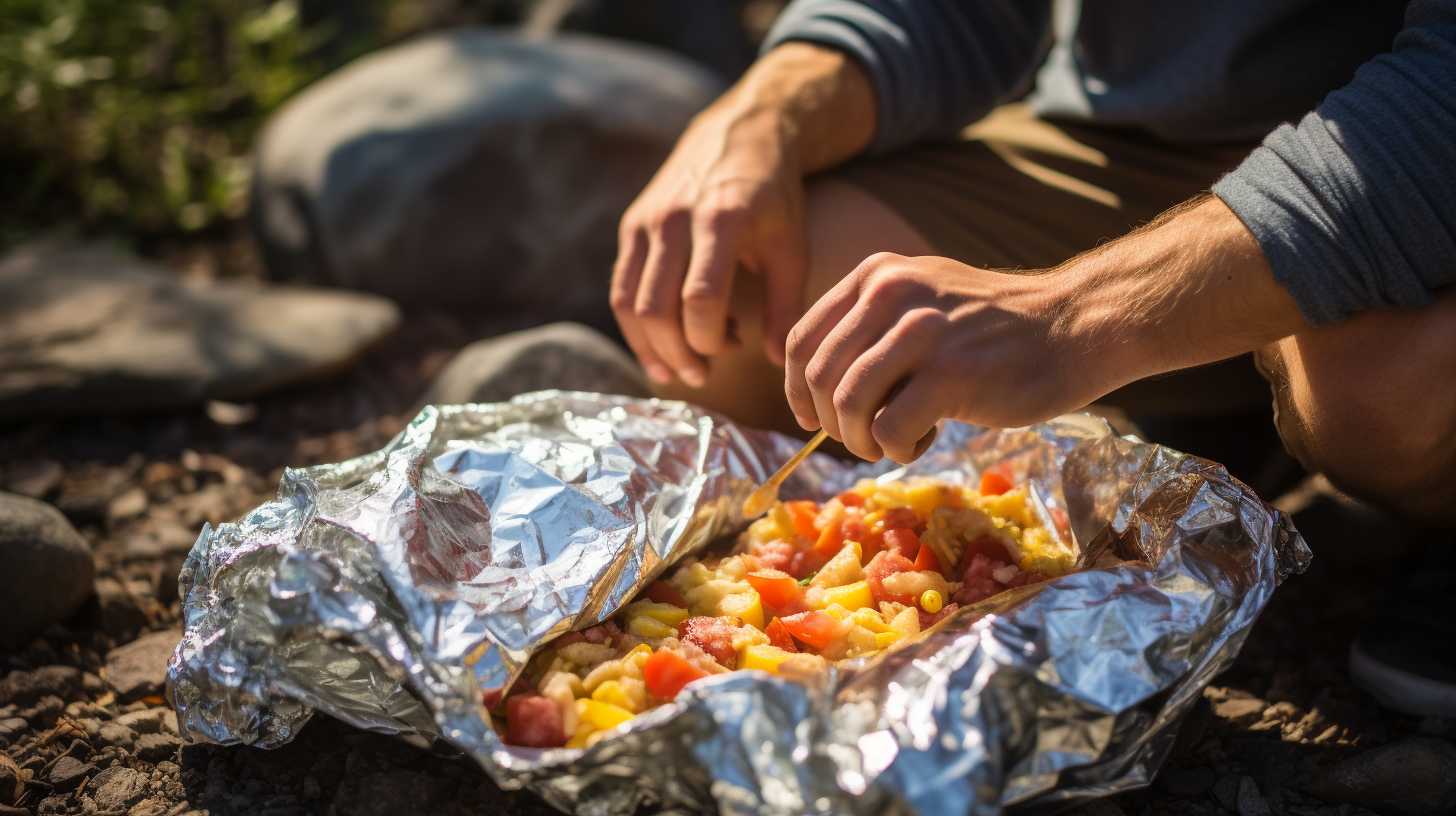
(931,601)
(850,596)
(785,522)
(869,619)
(667,613)
(613,693)
(651,628)
(764,658)
(747,607)
(924,498)
(602,715)
(885,639)
(836,611)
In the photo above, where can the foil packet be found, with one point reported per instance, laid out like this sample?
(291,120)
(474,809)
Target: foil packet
(392,590)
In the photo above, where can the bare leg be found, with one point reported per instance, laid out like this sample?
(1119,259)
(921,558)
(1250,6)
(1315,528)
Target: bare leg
(846,225)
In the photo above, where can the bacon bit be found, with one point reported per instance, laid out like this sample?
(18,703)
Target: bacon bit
(712,635)
(663,592)
(927,620)
(774,554)
(534,721)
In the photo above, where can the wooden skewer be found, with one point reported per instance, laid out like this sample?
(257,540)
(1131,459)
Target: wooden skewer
(767,493)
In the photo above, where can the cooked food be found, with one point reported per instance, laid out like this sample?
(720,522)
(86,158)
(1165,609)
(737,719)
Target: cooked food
(806,584)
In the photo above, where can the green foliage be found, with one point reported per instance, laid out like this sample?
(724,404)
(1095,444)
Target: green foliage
(139,115)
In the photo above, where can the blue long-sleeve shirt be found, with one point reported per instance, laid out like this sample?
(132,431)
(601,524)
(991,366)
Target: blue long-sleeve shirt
(1351,195)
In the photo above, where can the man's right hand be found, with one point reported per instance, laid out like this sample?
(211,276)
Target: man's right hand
(731,195)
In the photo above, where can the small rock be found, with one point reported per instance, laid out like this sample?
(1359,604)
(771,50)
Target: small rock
(169,721)
(117,736)
(1240,711)
(128,505)
(35,478)
(48,567)
(90,726)
(1187,782)
(45,710)
(149,807)
(68,772)
(11,728)
(146,721)
(156,747)
(25,687)
(117,787)
(140,668)
(1416,775)
(121,611)
(168,768)
(568,356)
(1250,801)
(12,780)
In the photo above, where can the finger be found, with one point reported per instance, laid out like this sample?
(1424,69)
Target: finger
(626,274)
(905,427)
(708,287)
(870,382)
(849,338)
(784,259)
(659,301)
(803,341)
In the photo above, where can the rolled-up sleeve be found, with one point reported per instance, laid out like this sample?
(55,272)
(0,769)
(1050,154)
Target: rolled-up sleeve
(1355,206)
(936,65)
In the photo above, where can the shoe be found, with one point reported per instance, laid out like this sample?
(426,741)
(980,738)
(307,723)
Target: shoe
(1406,655)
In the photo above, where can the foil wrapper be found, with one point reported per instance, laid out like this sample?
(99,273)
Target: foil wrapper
(391,590)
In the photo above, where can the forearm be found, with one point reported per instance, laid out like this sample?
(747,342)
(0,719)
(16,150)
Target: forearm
(1191,288)
(817,100)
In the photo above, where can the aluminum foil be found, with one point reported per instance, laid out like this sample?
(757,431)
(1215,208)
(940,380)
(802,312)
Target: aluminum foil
(390,590)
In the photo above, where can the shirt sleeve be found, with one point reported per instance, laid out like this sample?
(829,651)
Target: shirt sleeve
(1355,206)
(936,65)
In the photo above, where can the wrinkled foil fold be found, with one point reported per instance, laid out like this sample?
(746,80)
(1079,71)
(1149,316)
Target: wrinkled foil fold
(391,590)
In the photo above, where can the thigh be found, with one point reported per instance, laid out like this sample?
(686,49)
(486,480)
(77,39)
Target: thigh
(1371,402)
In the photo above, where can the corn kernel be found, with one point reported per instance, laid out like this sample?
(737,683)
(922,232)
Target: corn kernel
(613,693)
(931,601)
(602,715)
(764,658)
(850,596)
(651,628)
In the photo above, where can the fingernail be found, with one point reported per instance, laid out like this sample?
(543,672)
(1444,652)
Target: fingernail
(693,377)
(659,374)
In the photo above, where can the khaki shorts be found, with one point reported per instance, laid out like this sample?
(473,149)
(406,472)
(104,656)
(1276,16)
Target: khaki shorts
(1019,192)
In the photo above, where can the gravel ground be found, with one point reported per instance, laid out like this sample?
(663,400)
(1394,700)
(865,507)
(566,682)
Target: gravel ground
(87,730)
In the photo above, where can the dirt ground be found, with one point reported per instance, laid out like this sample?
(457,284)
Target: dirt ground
(139,488)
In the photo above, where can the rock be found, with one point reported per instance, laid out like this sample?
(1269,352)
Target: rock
(128,505)
(1240,711)
(116,787)
(1187,782)
(169,721)
(568,356)
(121,612)
(1415,775)
(472,169)
(150,807)
(68,772)
(140,668)
(35,478)
(25,687)
(11,728)
(1250,801)
(710,32)
(117,736)
(90,726)
(156,747)
(146,721)
(48,567)
(12,780)
(86,329)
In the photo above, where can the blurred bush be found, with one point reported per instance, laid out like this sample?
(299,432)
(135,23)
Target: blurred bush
(138,116)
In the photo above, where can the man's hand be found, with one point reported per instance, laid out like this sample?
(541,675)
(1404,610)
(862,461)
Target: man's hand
(732,195)
(904,342)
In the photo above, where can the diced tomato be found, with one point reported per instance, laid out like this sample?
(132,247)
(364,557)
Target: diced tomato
(994,484)
(849,498)
(778,635)
(803,514)
(989,546)
(777,589)
(666,672)
(978,583)
(806,562)
(775,554)
(534,721)
(902,541)
(881,567)
(926,559)
(900,518)
(814,629)
(712,635)
(853,529)
(830,540)
(663,592)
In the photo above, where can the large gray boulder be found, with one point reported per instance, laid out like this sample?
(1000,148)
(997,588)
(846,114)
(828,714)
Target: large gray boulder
(45,569)
(472,170)
(87,329)
(568,356)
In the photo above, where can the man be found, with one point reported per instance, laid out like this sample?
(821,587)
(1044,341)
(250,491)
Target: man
(934,275)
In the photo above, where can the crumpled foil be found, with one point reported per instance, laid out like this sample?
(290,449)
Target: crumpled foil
(390,590)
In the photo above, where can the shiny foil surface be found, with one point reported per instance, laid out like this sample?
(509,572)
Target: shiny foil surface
(390,590)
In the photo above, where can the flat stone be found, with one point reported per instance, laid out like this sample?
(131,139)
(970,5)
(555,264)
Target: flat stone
(157,747)
(121,611)
(22,688)
(48,568)
(34,478)
(568,356)
(87,329)
(68,772)
(117,787)
(12,780)
(140,668)
(472,169)
(146,721)
(117,735)
(1415,775)
(11,728)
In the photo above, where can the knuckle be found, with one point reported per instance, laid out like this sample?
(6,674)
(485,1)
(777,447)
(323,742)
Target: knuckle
(621,301)
(817,376)
(845,399)
(723,216)
(669,219)
(698,293)
(923,321)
